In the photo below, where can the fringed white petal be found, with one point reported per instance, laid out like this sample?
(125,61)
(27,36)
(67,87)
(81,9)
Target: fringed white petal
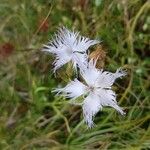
(108,98)
(90,74)
(59,62)
(80,60)
(62,57)
(56,44)
(84,43)
(90,107)
(73,90)
(106,79)
(74,40)
(67,37)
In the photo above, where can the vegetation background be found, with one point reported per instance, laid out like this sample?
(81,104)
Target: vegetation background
(31,117)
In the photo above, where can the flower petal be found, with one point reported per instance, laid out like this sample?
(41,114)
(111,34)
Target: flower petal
(74,40)
(108,98)
(84,43)
(62,57)
(80,60)
(106,79)
(90,74)
(60,61)
(90,107)
(73,90)
(67,37)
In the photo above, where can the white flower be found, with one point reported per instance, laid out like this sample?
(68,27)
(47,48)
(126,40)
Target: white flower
(97,89)
(69,46)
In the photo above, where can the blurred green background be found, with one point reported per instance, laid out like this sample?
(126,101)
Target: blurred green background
(33,118)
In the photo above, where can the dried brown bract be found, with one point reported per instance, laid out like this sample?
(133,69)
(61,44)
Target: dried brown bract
(99,54)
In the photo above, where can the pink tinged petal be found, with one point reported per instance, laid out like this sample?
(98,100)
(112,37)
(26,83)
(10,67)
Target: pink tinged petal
(108,98)
(91,106)
(73,90)
(106,79)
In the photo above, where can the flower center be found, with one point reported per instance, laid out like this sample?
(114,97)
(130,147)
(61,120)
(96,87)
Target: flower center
(91,88)
(69,51)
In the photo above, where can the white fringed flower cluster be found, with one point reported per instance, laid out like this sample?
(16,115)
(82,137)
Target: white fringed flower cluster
(96,86)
